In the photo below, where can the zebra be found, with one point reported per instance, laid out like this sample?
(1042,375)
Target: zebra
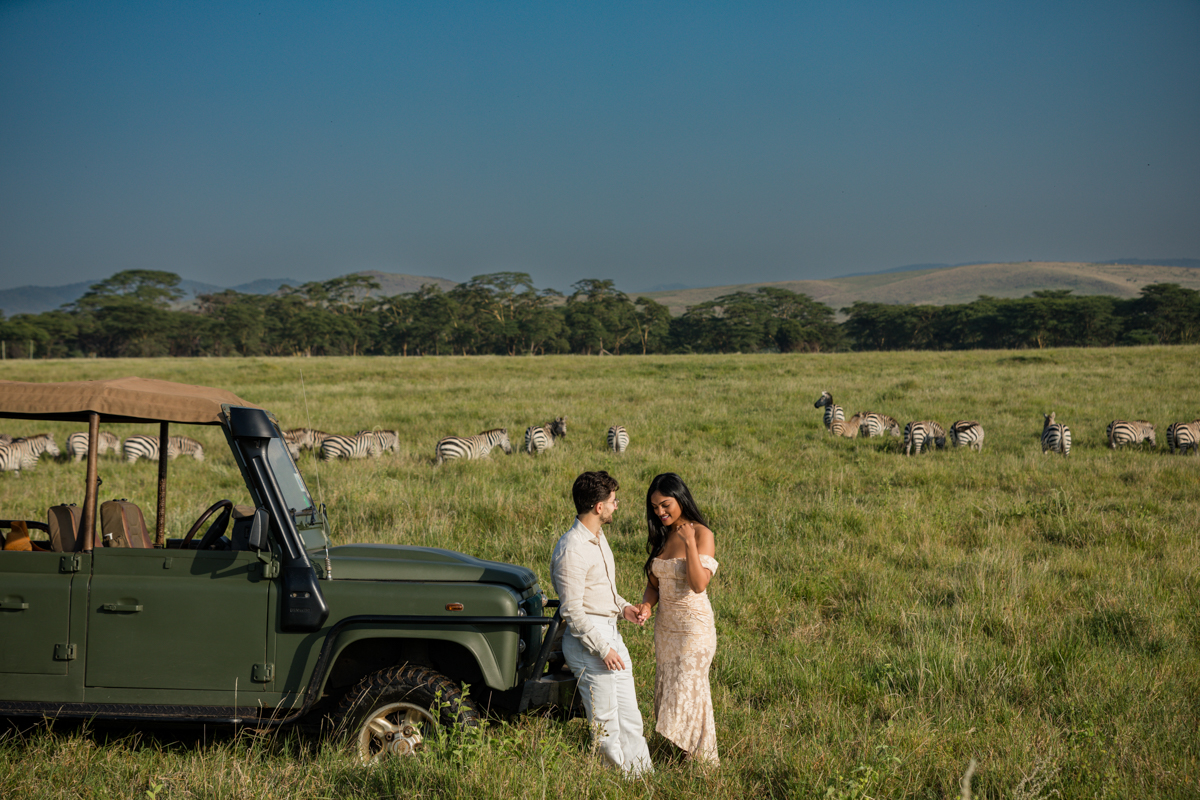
(1056,437)
(919,434)
(77,444)
(878,425)
(305,438)
(846,427)
(142,446)
(477,446)
(833,412)
(358,446)
(967,433)
(389,441)
(542,438)
(23,453)
(1184,436)
(618,438)
(1121,432)
(5,438)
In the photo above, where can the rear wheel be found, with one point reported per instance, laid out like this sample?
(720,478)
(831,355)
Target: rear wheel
(392,712)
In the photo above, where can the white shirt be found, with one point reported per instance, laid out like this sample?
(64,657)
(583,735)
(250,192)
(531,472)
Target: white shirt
(584,575)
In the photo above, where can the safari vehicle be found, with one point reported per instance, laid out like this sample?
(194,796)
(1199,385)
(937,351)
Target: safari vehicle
(257,620)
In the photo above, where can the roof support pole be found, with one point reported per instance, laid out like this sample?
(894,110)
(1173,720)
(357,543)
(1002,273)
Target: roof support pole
(91,491)
(160,517)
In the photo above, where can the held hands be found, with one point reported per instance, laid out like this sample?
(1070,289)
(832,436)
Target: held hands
(637,614)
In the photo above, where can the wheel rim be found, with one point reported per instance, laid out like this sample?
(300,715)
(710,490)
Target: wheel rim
(397,729)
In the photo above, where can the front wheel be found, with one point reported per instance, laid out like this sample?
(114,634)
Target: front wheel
(393,711)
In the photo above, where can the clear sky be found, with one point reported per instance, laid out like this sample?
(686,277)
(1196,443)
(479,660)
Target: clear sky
(653,143)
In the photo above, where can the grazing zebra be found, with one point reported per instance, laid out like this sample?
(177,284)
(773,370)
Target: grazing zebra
(919,434)
(77,444)
(542,438)
(477,446)
(143,446)
(358,446)
(1121,432)
(878,425)
(833,412)
(389,441)
(5,438)
(305,438)
(618,438)
(1056,437)
(23,453)
(846,427)
(967,433)
(1185,436)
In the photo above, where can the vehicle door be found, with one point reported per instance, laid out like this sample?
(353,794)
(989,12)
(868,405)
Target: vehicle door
(35,609)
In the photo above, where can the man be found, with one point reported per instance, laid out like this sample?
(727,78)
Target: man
(584,576)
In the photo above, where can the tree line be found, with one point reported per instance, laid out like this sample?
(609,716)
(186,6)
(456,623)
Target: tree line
(136,313)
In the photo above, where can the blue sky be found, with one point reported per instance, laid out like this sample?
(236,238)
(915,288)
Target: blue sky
(649,143)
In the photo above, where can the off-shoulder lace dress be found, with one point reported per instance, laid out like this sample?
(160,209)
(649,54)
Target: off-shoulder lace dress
(685,640)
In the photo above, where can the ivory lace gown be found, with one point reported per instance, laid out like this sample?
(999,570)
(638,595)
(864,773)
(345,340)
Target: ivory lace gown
(685,640)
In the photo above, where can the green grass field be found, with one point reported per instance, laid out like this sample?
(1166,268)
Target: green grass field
(882,620)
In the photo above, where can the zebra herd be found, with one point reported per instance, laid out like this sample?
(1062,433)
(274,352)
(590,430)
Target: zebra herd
(23,453)
(538,439)
(1055,437)
(364,444)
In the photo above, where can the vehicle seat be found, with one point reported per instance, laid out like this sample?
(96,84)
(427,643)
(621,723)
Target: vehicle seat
(124,520)
(63,522)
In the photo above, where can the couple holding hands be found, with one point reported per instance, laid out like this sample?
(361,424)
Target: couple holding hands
(681,562)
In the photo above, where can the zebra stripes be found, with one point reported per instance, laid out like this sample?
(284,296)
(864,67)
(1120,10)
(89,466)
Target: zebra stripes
(1184,436)
(359,446)
(833,413)
(618,438)
(540,438)
(77,444)
(846,427)
(1121,432)
(21,454)
(918,435)
(1056,437)
(388,441)
(878,425)
(143,446)
(305,438)
(477,446)
(967,433)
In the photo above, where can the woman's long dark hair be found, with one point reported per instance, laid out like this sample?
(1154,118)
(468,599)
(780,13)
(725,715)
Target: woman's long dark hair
(668,484)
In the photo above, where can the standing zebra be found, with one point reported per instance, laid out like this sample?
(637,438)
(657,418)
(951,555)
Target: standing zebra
(1185,436)
(833,412)
(77,444)
(618,438)
(23,453)
(967,433)
(542,438)
(846,427)
(1056,437)
(919,434)
(1121,432)
(143,446)
(305,438)
(878,425)
(477,446)
(358,446)
(389,441)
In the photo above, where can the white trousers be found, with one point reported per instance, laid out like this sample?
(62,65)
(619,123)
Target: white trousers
(610,700)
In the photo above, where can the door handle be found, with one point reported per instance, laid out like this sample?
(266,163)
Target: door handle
(13,605)
(121,607)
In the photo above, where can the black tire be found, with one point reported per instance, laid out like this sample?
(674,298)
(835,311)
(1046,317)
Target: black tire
(393,711)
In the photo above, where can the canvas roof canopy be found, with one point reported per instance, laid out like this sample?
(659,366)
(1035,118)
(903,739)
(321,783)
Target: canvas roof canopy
(116,400)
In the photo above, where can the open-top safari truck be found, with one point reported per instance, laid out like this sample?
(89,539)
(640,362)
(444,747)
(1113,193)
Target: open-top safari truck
(257,620)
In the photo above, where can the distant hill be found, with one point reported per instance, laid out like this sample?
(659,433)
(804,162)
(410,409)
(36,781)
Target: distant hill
(393,284)
(960,284)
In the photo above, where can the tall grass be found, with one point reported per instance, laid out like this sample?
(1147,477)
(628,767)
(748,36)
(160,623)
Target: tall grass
(882,620)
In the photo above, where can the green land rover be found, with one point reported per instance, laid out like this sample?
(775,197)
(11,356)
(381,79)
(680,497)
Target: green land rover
(256,621)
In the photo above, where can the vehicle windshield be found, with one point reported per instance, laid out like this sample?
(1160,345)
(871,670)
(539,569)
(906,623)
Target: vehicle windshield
(295,492)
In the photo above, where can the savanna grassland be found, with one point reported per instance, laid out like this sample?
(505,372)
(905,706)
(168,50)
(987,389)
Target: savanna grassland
(882,620)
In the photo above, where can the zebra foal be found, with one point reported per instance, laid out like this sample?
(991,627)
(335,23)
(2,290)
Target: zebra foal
(541,438)
(1056,437)
(477,446)
(878,425)
(967,433)
(918,435)
(618,438)
(77,444)
(1122,432)
(846,427)
(389,441)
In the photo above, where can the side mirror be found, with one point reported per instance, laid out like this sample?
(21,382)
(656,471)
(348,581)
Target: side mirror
(257,540)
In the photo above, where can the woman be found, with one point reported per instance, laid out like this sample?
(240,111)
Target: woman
(680,565)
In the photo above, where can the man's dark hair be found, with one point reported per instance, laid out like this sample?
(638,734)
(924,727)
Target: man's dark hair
(591,488)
